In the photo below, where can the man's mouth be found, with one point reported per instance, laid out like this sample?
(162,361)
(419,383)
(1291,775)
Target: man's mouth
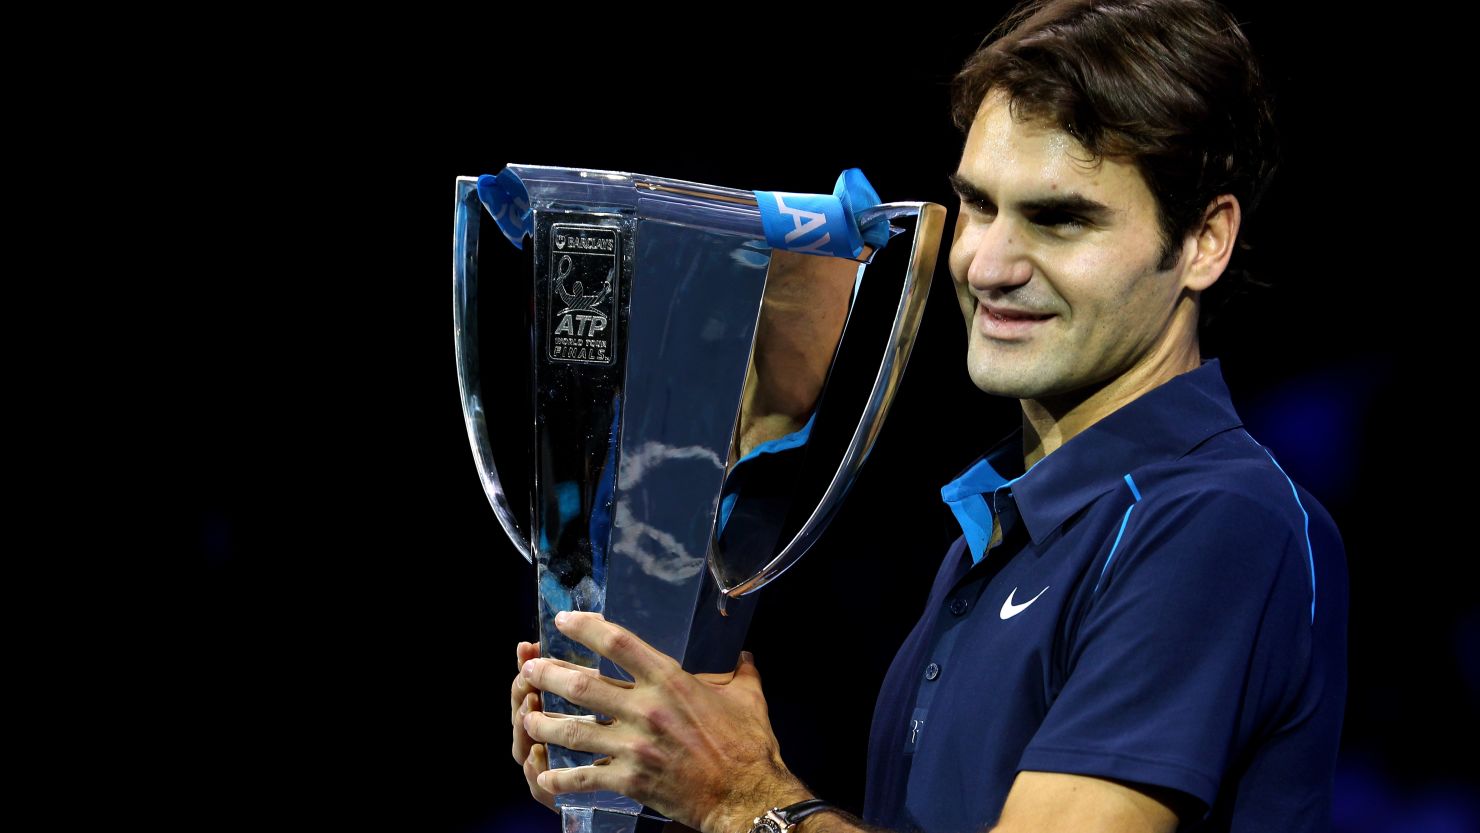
(1007,322)
(1011,314)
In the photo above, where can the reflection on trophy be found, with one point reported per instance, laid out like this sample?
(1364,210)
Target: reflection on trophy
(683,377)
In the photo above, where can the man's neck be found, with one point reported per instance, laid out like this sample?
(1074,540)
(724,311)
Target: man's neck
(1048,423)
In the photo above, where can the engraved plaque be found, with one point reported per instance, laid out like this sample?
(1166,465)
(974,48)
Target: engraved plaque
(584,263)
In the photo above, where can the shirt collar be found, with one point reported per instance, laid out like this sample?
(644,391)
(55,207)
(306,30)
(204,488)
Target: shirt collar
(1162,424)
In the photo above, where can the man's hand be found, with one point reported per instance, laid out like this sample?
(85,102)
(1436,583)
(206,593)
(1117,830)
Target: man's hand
(698,749)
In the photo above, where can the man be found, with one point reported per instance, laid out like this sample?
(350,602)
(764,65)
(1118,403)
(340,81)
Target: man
(1143,625)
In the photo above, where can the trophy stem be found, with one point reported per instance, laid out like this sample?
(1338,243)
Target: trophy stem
(575,820)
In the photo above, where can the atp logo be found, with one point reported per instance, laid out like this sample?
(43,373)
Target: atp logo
(581,315)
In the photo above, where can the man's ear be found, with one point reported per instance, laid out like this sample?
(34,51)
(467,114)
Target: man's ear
(1210,246)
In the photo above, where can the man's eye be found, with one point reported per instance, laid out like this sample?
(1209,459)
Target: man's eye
(1065,221)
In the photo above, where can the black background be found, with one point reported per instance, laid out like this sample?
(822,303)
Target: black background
(342,642)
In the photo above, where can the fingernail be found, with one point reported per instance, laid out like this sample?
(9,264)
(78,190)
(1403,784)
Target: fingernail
(561,617)
(526,720)
(543,779)
(749,657)
(528,669)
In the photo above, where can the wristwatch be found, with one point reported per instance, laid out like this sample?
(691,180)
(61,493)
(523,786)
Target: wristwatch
(781,819)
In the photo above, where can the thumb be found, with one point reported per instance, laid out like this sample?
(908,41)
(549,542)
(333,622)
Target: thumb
(746,667)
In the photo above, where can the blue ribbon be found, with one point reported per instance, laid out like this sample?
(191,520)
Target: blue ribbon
(825,224)
(507,200)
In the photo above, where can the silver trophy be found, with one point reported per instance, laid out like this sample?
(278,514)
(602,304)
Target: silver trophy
(683,356)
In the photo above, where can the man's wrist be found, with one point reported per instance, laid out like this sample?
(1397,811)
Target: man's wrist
(798,818)
(740,818)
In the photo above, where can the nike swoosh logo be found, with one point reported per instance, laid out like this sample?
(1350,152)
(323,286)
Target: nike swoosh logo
(1010,610)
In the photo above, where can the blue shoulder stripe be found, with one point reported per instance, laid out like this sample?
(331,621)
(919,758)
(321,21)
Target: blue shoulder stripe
(1310,559)
(1113,547)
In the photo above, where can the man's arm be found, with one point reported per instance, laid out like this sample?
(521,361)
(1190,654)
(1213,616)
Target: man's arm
(700,749)
(1049,802)
(1046,802)
(802,314)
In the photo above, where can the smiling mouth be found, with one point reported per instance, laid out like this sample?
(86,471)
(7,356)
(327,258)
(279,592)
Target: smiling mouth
(1008,314)
(1007,325)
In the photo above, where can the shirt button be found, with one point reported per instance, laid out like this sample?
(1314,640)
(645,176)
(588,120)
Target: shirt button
(932,671)
(958,606)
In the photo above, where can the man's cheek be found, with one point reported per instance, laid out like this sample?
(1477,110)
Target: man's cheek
(968,307)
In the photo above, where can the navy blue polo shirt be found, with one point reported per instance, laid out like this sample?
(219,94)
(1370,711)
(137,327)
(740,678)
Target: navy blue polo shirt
(1154,602)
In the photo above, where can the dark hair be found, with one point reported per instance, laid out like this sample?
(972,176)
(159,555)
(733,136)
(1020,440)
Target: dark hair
(1171,86)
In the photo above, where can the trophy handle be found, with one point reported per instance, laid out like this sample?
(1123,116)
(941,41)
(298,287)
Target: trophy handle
(925,246)
(465,338)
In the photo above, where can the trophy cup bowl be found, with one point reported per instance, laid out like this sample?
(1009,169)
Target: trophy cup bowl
(681,344)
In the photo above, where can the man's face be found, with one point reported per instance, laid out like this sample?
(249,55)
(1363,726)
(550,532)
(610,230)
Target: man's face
(1043,231)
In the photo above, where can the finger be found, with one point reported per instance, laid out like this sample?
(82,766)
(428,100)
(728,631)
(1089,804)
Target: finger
(644,662)
(578,686)
(586,669)
(580,779)
(522,741)
(573,732)
(519,690)
(537,762)
(524,652)
(524,691)
(745,666)
(522,686)
(748,679)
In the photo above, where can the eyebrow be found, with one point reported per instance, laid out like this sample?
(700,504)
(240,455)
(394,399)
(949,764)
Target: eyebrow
(1069,203)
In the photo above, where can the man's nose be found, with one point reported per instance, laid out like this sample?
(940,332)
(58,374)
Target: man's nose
(999,260)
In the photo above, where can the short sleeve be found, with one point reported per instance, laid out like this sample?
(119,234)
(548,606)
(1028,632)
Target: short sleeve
(1196,635)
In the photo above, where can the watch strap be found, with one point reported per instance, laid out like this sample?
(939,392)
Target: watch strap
(794,813)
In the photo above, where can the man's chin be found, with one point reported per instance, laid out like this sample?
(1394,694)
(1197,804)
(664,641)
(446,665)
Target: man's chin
(997,385)
(1014,377)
